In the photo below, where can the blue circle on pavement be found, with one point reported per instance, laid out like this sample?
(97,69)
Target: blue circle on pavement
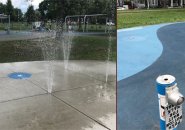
(19,75)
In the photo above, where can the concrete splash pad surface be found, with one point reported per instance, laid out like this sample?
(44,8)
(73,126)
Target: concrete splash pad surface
(80,100)
(137,95)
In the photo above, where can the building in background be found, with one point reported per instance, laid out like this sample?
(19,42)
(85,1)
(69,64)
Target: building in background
(150,3)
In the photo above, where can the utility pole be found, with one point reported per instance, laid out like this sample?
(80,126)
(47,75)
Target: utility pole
(18,20)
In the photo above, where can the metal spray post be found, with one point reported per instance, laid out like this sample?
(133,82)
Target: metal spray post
(170,102)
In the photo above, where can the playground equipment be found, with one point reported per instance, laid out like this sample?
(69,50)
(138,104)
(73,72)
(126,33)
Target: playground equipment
(3,16)
(84,20)
(170,102)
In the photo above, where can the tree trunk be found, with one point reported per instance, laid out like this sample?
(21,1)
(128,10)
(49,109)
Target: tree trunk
(146,5)
(80,24)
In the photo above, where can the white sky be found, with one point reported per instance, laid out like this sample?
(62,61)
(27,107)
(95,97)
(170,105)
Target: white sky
(23,4)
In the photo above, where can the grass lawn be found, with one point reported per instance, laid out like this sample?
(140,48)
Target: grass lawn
(94,48)
(83,48)
(98,28)
(132,18)
(15,26)
(25,26)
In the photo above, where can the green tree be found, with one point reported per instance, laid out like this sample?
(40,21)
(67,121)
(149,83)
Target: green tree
(111,10)
(61,8)
(9,7)
(30,1)
(2,8)
(37,15)
(44,9)
(17,15)
(57,9)
(30,14)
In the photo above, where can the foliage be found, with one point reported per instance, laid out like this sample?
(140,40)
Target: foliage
(15,26)
(2,8)
(15,13)
(60,9)
(37,15)
(84,48)
(30,14)
(9,7)
(134,18)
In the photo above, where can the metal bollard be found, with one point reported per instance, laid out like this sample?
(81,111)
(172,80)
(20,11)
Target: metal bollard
(170,102)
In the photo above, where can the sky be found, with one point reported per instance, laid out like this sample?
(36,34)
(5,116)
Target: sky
(23,4)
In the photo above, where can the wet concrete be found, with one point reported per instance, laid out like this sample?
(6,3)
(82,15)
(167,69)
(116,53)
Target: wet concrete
(80,100)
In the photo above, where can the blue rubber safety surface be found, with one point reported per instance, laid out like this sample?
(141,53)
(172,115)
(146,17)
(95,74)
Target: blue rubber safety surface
(137,99)
(19,75)
(138,48)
